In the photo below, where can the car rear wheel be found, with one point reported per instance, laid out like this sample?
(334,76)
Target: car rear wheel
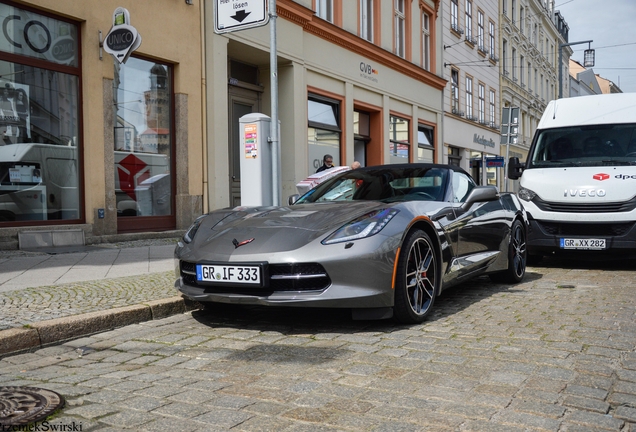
(417,279)
(517,256)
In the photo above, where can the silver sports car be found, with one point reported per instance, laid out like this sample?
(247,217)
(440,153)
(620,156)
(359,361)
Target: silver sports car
(383,241)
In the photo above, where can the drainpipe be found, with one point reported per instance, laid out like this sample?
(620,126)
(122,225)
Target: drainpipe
(204,113)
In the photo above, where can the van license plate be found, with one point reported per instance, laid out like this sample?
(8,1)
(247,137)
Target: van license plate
(593,244)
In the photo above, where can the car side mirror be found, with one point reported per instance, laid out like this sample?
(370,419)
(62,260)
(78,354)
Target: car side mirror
(292,199)
(515,168)
(480,194)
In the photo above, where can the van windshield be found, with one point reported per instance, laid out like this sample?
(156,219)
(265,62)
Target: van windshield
(595,145)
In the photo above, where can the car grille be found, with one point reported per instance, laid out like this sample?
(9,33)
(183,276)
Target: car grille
(611,207)
(585,229)
(279,278)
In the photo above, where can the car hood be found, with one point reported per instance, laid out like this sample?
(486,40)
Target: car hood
(273,229)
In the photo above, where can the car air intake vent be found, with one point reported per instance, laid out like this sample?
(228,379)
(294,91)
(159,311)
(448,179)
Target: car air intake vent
(605,207)
(586,229)
(298,277)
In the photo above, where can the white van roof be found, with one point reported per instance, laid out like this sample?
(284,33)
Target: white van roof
(613,108)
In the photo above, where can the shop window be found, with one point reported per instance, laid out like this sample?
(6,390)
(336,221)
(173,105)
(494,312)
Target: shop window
(399,140)
(454,157)
(323,131)
(143,138)
(425,147)
(40,170)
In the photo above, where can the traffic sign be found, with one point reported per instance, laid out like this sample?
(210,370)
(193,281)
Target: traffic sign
(234,15)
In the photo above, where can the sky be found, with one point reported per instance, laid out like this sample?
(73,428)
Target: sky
(611,24)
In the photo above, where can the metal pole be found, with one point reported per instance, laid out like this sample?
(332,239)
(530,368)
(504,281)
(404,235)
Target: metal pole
(273,139)
(561,62)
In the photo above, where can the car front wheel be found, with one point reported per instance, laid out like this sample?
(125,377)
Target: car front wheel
(417,278)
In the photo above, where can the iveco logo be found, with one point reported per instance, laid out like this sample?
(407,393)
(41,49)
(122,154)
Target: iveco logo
(584,192)
(601,177)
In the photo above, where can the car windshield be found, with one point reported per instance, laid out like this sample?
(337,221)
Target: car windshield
(596,145)
(382,184)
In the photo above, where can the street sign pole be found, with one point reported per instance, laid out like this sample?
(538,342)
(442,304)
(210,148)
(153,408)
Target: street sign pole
(275,142)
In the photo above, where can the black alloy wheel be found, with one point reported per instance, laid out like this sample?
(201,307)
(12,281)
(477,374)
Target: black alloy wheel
(417,278)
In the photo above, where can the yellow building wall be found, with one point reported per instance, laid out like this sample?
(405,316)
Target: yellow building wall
(171,32)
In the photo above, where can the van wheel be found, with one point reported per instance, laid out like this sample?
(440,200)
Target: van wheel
(517,256)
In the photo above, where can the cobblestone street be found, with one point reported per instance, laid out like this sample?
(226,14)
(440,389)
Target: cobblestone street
(554,353)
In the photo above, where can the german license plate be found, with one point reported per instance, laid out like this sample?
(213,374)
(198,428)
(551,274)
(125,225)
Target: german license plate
(250,275)
(595,244)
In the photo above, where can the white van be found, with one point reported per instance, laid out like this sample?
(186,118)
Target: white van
(579,182)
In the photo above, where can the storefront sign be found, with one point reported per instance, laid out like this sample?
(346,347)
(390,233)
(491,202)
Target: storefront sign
(33,35)
(483,141)
(122,39)
(368,72)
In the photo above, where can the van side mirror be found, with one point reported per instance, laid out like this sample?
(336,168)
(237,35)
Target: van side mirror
(515,168)
(292,199)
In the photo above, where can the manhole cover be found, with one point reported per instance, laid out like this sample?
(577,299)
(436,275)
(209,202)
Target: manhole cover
(25,405)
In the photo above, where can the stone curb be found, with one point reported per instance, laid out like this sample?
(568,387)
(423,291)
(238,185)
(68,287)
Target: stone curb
(41,334)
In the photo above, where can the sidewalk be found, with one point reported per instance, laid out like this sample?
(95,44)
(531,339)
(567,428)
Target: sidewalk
(55,295)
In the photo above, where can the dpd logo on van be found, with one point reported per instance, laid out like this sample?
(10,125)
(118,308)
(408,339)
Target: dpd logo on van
(122,39)
(601,176)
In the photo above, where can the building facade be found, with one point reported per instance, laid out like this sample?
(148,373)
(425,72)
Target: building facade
(531,35)
(358,80)
(472,100)
(92,144)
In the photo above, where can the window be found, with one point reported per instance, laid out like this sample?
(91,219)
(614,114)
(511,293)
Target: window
(455,91)
(462,186)
(324,9)
(480,31)
(491,37)
(425,147)
(323,132)
(454,15)
(40,170)
(504,55)
(514,64)
(513,11)
(491,107)
(529,76)
(522,18)
(366,20)
(426,41)
(504,8)
(469,20)
(453,156)
(400,33)
(469,98)
(143,138)
(399,139)
(482,104)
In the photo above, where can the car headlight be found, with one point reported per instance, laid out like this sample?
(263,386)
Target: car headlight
(362,227)
(526,194)
(191,232)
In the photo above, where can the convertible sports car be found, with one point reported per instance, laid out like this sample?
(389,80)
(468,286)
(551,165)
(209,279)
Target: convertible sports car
(383,241)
